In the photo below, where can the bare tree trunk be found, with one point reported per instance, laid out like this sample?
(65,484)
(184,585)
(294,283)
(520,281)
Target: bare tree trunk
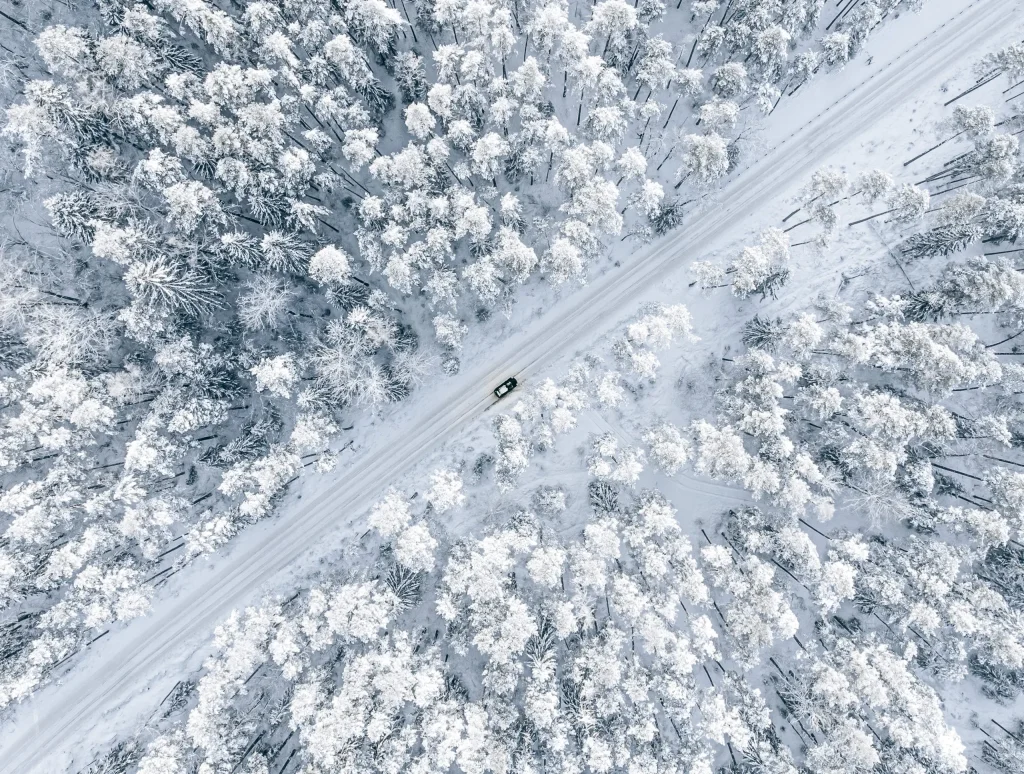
(934,147)
(673,110)
(871,217)
(973,88)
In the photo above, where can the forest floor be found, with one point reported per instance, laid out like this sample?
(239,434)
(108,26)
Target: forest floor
(890,95)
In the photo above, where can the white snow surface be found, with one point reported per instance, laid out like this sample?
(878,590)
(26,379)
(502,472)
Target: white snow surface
(131,668)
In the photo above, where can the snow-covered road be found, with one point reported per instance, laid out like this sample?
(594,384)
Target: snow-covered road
(57,727)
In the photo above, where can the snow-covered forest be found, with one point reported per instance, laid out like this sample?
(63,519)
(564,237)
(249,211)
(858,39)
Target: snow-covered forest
(763,525)
(253,216)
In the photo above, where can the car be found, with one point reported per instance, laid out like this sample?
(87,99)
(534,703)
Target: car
(506,387)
